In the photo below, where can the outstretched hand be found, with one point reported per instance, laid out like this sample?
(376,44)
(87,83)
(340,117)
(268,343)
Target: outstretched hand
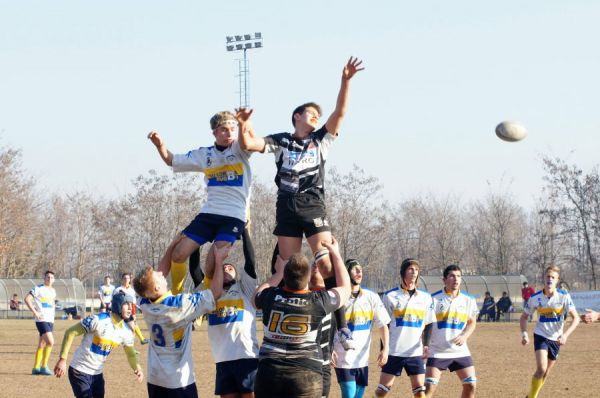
(332,246)
(155,138)
(243,114)
(221,253)
(350,69)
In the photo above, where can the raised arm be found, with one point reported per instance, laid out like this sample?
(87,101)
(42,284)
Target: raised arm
(246,136)
(335,120)
(342,278)
(274,280)
(164,153)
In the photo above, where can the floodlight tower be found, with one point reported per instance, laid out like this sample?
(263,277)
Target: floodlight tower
(243,43)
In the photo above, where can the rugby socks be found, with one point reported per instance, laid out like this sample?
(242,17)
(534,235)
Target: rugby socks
(46,356)
(536,386)
(38,358)
(178,271)
(195,268)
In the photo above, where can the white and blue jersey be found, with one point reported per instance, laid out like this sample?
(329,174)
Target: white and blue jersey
(362,313)
(409,315)
(232,326)
(102,335)
(169,320)
(227,176)
(552,312)
(43,300)
(451,316)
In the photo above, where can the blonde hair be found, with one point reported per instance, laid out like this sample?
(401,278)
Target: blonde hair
(552,268)
(143,283)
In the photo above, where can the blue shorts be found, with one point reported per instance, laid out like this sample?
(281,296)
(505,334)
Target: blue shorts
(44,327)
(413,365)
(155,391)
(358,375)
(542,343)
(452,364)
(212,227)
(86,386)
(235,376)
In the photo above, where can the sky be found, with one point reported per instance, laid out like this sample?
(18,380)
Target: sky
(82,83)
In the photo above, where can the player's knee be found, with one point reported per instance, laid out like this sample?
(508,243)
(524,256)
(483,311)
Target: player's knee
(431,381)
(178,255)
(419,391)
(382,390)
(469,383)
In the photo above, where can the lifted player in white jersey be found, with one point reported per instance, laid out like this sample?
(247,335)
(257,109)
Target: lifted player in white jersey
(170,318)
(40,300)
(411,312)
(364,311)
(102,333)
(228,179)
(552,306)
(456,317)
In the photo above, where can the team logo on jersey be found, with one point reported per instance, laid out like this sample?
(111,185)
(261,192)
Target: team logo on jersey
(235,229)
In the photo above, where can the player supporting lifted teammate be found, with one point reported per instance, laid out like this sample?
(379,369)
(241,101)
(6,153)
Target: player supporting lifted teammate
(40,300)
(552,306)
(128,290)
(290,362)
(411,311)
(228,180)
(363,310)
(102,333)
(105,293)
(456,318)
(170,318)
(300,159)
(232,327)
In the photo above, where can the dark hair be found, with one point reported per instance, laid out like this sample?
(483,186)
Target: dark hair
(451,267)
(302,108)
(49,272)
(407,262)
(296,272)
(124,274)
(525,283)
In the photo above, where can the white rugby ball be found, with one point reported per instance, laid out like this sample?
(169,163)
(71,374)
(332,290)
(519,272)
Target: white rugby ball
(511,131)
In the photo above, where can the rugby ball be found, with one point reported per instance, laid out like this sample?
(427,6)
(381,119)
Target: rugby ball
(511,131)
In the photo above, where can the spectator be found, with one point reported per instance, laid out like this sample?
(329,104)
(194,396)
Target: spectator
(503,306)
(488,308)
(14,303)
(527,292)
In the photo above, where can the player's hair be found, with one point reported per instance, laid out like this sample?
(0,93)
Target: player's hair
(451,267)
(49,272)
(144,282)
(407,262)
(302,108)
(552,268)
(296,272)
(219,118)
(124,274)
(107,276)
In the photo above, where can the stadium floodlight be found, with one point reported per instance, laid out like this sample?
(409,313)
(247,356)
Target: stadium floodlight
(242,43)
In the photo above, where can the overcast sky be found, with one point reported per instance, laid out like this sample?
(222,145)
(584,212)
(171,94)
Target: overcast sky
(81,84)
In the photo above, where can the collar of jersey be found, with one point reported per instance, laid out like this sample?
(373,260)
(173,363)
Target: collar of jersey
(405,291)
(116,320)
(301,291)
(161,298)
(450,294)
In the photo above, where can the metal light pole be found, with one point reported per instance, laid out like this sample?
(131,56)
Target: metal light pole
(243,43)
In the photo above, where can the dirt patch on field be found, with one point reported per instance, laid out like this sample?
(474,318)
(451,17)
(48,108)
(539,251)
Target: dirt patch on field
(504,367)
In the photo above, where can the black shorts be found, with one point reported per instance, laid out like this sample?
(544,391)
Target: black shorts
(358,375)
(44,327)
(155,391)
(213,227)
(300,214)
(412,365)
(451,364)
(542,343)
(277,381)
(235,376)
(85,385)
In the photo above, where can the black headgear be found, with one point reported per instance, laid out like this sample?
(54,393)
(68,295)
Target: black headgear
(117,303)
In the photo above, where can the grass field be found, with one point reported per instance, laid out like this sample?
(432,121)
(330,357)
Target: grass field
(504,367)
